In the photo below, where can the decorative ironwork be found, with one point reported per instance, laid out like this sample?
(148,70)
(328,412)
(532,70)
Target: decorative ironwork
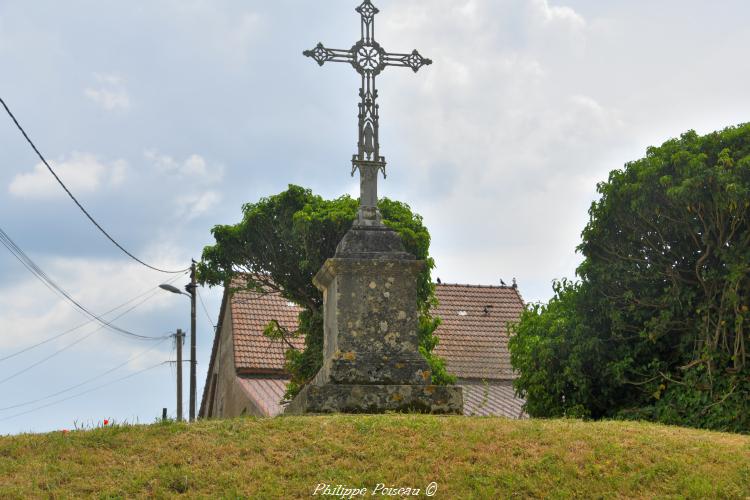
(320,54)
(369,59)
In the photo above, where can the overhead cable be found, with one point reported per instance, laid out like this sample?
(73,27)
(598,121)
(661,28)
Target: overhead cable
(34,365)
(96,377)
(82,393)
(205,310)
(19,254)
(78,341)
(150,292)
(85,212)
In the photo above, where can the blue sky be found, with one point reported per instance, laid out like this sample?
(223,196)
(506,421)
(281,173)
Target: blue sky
(164,117)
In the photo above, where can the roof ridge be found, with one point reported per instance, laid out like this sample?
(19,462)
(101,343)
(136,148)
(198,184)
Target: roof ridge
(497,287)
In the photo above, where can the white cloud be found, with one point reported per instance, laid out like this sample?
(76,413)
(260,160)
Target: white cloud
(558,14)
(504,149)
(193,172)
(194,167)
(98,284)
(110,93)
(82,173)
(192,206)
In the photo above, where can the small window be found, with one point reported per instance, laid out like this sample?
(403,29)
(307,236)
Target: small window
(463,313)
(291,304)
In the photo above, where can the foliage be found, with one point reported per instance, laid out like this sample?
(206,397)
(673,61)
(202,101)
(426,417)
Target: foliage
(559,358)
(479,457)
(657,327)
(282,242)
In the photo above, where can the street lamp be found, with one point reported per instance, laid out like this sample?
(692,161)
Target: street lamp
(172,289)
(191,289)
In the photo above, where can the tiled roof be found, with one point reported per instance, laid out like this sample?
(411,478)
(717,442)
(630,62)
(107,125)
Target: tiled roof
(251,312)
(266,393)
(474,332)
(473,335)
(492,399)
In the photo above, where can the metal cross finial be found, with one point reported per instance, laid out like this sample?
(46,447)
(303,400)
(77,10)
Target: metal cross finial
(369,59)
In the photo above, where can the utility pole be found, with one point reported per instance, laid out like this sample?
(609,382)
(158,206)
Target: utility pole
(192,289)
(179,338)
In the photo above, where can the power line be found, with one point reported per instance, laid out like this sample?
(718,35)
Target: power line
(151,292)
(59,351)
(39,344)
(132,358)
(205,310)
(82,393)
(63,349)
(59,181)
(32,267)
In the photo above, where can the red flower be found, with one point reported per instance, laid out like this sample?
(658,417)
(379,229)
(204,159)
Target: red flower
(65,431)
(106,422)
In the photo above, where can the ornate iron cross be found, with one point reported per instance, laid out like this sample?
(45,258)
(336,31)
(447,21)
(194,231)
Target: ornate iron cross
(369,59)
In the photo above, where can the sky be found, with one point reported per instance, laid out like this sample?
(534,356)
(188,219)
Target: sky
(164,117)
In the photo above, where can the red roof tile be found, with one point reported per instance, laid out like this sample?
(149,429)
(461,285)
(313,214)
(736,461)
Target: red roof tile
(251,313)
(474,332)
(473,337)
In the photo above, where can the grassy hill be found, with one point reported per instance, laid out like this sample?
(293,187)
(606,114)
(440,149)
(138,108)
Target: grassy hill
(466,457)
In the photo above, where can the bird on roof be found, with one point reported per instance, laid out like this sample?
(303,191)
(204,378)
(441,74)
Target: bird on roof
(502,283)
(439,282)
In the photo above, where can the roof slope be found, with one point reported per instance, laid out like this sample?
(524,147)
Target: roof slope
(265,393)
(251,313)
(498,398)
(473,340)
(474,332)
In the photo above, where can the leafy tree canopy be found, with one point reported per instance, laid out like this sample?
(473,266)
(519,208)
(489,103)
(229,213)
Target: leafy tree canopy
(282,242)
(657,327)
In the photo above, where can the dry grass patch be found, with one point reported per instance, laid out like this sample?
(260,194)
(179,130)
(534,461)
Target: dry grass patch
(467,457)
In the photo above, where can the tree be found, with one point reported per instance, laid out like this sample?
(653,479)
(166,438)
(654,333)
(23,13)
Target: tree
(657,327)
(283,240)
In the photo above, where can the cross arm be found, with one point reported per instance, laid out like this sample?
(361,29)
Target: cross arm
(413,60)
(322,55)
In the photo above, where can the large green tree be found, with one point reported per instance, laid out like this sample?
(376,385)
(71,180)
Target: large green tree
(283,240)
(657,326)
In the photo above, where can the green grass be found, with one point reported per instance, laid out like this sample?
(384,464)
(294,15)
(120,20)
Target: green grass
(466,457)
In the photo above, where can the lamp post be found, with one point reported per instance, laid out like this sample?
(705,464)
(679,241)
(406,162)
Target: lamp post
(191,290)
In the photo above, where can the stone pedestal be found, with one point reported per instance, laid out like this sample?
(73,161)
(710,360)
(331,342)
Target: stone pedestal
(371,359)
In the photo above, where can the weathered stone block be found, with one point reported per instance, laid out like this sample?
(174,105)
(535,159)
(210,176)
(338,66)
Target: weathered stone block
(333,398)
(370,332)
(371,359)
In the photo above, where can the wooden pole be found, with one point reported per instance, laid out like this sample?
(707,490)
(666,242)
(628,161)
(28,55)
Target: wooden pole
(193,362)
(179,336)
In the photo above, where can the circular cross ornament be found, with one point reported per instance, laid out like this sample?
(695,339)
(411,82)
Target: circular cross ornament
(369,57)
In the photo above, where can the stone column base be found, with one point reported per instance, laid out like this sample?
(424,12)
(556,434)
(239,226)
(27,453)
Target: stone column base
(336,398)
(371,358)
